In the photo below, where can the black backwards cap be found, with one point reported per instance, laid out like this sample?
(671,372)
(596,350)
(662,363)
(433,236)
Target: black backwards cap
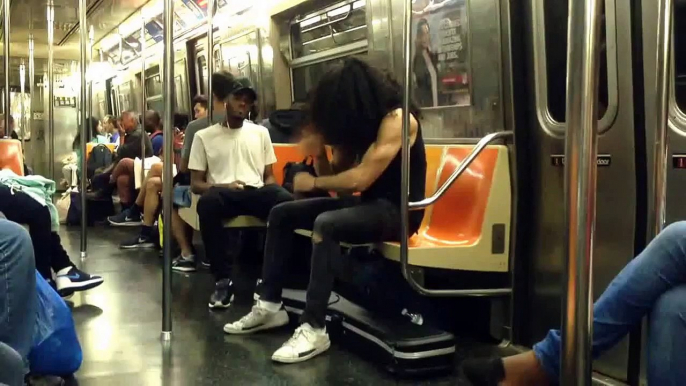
(243,85)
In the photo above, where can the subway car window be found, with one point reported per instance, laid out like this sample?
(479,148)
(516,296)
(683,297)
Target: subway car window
(680,54)
(556,15)
(304,78)
(202,73)
(334,26)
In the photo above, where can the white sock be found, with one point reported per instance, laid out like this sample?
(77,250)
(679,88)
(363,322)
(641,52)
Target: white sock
(189,257)
(269,306)
(62,271)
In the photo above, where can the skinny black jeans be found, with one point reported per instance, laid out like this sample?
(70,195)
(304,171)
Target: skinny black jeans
(220,204)
(47,246)
(332,220)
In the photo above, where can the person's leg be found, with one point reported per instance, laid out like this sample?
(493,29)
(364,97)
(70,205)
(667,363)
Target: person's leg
(365,223)
(122,176)
(629,297)
(666,339)
(214,207)
(22,209)
(153,187)
(12,366)
(18,298)
(68,278)
(183,233)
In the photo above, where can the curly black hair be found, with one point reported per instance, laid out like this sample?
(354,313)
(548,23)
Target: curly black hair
(350,101)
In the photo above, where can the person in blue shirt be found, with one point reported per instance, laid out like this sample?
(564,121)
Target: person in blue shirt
(153,126)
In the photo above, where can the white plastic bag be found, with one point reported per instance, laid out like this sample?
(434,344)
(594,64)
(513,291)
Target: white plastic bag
(63,206)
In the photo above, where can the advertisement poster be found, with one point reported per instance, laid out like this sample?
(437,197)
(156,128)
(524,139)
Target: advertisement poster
(440,56)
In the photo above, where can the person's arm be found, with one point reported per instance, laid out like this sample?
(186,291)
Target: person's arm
(373,163)
(187,143)
(269,175)
(199,184)
(269,159)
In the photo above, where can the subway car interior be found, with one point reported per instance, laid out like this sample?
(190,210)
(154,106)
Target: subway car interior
(555,141)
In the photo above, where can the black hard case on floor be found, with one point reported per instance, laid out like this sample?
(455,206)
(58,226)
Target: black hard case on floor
(395,343)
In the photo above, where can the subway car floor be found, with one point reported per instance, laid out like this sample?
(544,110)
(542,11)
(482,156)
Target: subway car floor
(119,326)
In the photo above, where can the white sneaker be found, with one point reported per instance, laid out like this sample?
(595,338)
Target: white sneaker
(257,320)
(306,343)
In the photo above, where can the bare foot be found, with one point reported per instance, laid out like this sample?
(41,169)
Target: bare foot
(524,370)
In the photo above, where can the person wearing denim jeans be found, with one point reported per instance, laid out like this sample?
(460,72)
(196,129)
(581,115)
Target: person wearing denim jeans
(653,283)
(18,300)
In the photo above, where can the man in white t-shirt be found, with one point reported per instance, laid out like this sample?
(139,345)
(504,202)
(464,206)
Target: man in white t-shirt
(231,167)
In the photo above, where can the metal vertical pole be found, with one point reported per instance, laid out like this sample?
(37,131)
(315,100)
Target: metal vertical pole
(142,104)
(22,89)
(405,149)
(662,60)
(6,49)
(583,52)
(168,79)
(32,74)
(51,93)
(89,71)
(210,60)
(85,123)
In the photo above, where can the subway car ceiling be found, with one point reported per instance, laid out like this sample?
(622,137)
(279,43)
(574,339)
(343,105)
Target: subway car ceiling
(247,36)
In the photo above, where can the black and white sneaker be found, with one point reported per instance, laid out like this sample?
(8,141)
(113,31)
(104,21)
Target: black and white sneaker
(257,320)
(223,295)
(76,280)
(205,262)
(184,264)
(140,242)
(125,219)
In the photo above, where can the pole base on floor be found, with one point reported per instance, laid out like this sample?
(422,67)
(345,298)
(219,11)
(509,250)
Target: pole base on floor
(166,336)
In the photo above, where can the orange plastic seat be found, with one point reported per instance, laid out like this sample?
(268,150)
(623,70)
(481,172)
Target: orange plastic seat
(11,156)
(459,230)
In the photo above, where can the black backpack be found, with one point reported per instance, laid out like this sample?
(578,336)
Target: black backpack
(293,168)
(101,157)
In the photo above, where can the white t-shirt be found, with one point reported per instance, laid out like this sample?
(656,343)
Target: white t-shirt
(229,155)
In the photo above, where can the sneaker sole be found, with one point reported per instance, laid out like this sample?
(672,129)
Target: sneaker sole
(177,269)
(80,286)
(303,359)
(281,321)
(138,246)
(124,224)
(220,306)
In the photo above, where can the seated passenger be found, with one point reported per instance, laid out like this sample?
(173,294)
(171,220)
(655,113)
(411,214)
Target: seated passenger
(120,174)
(11,133)
(153,126)
(221,85)
(110,129)
(654,284)
(18,301)
(71,170)
(50,256)
(143,210)
(283,124)
(231,167)
(356,109)
(200,107)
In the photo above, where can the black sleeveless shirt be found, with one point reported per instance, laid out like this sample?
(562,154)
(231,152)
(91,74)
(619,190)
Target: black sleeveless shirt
(387,186)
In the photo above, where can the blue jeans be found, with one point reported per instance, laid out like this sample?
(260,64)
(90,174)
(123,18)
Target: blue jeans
(654,282)
(18,298)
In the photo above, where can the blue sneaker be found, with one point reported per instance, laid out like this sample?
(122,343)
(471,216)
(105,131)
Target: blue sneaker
(125,219)
(139,242)
(76,280)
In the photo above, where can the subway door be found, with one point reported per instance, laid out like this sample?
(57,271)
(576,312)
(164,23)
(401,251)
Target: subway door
(546,38)
(676,172)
